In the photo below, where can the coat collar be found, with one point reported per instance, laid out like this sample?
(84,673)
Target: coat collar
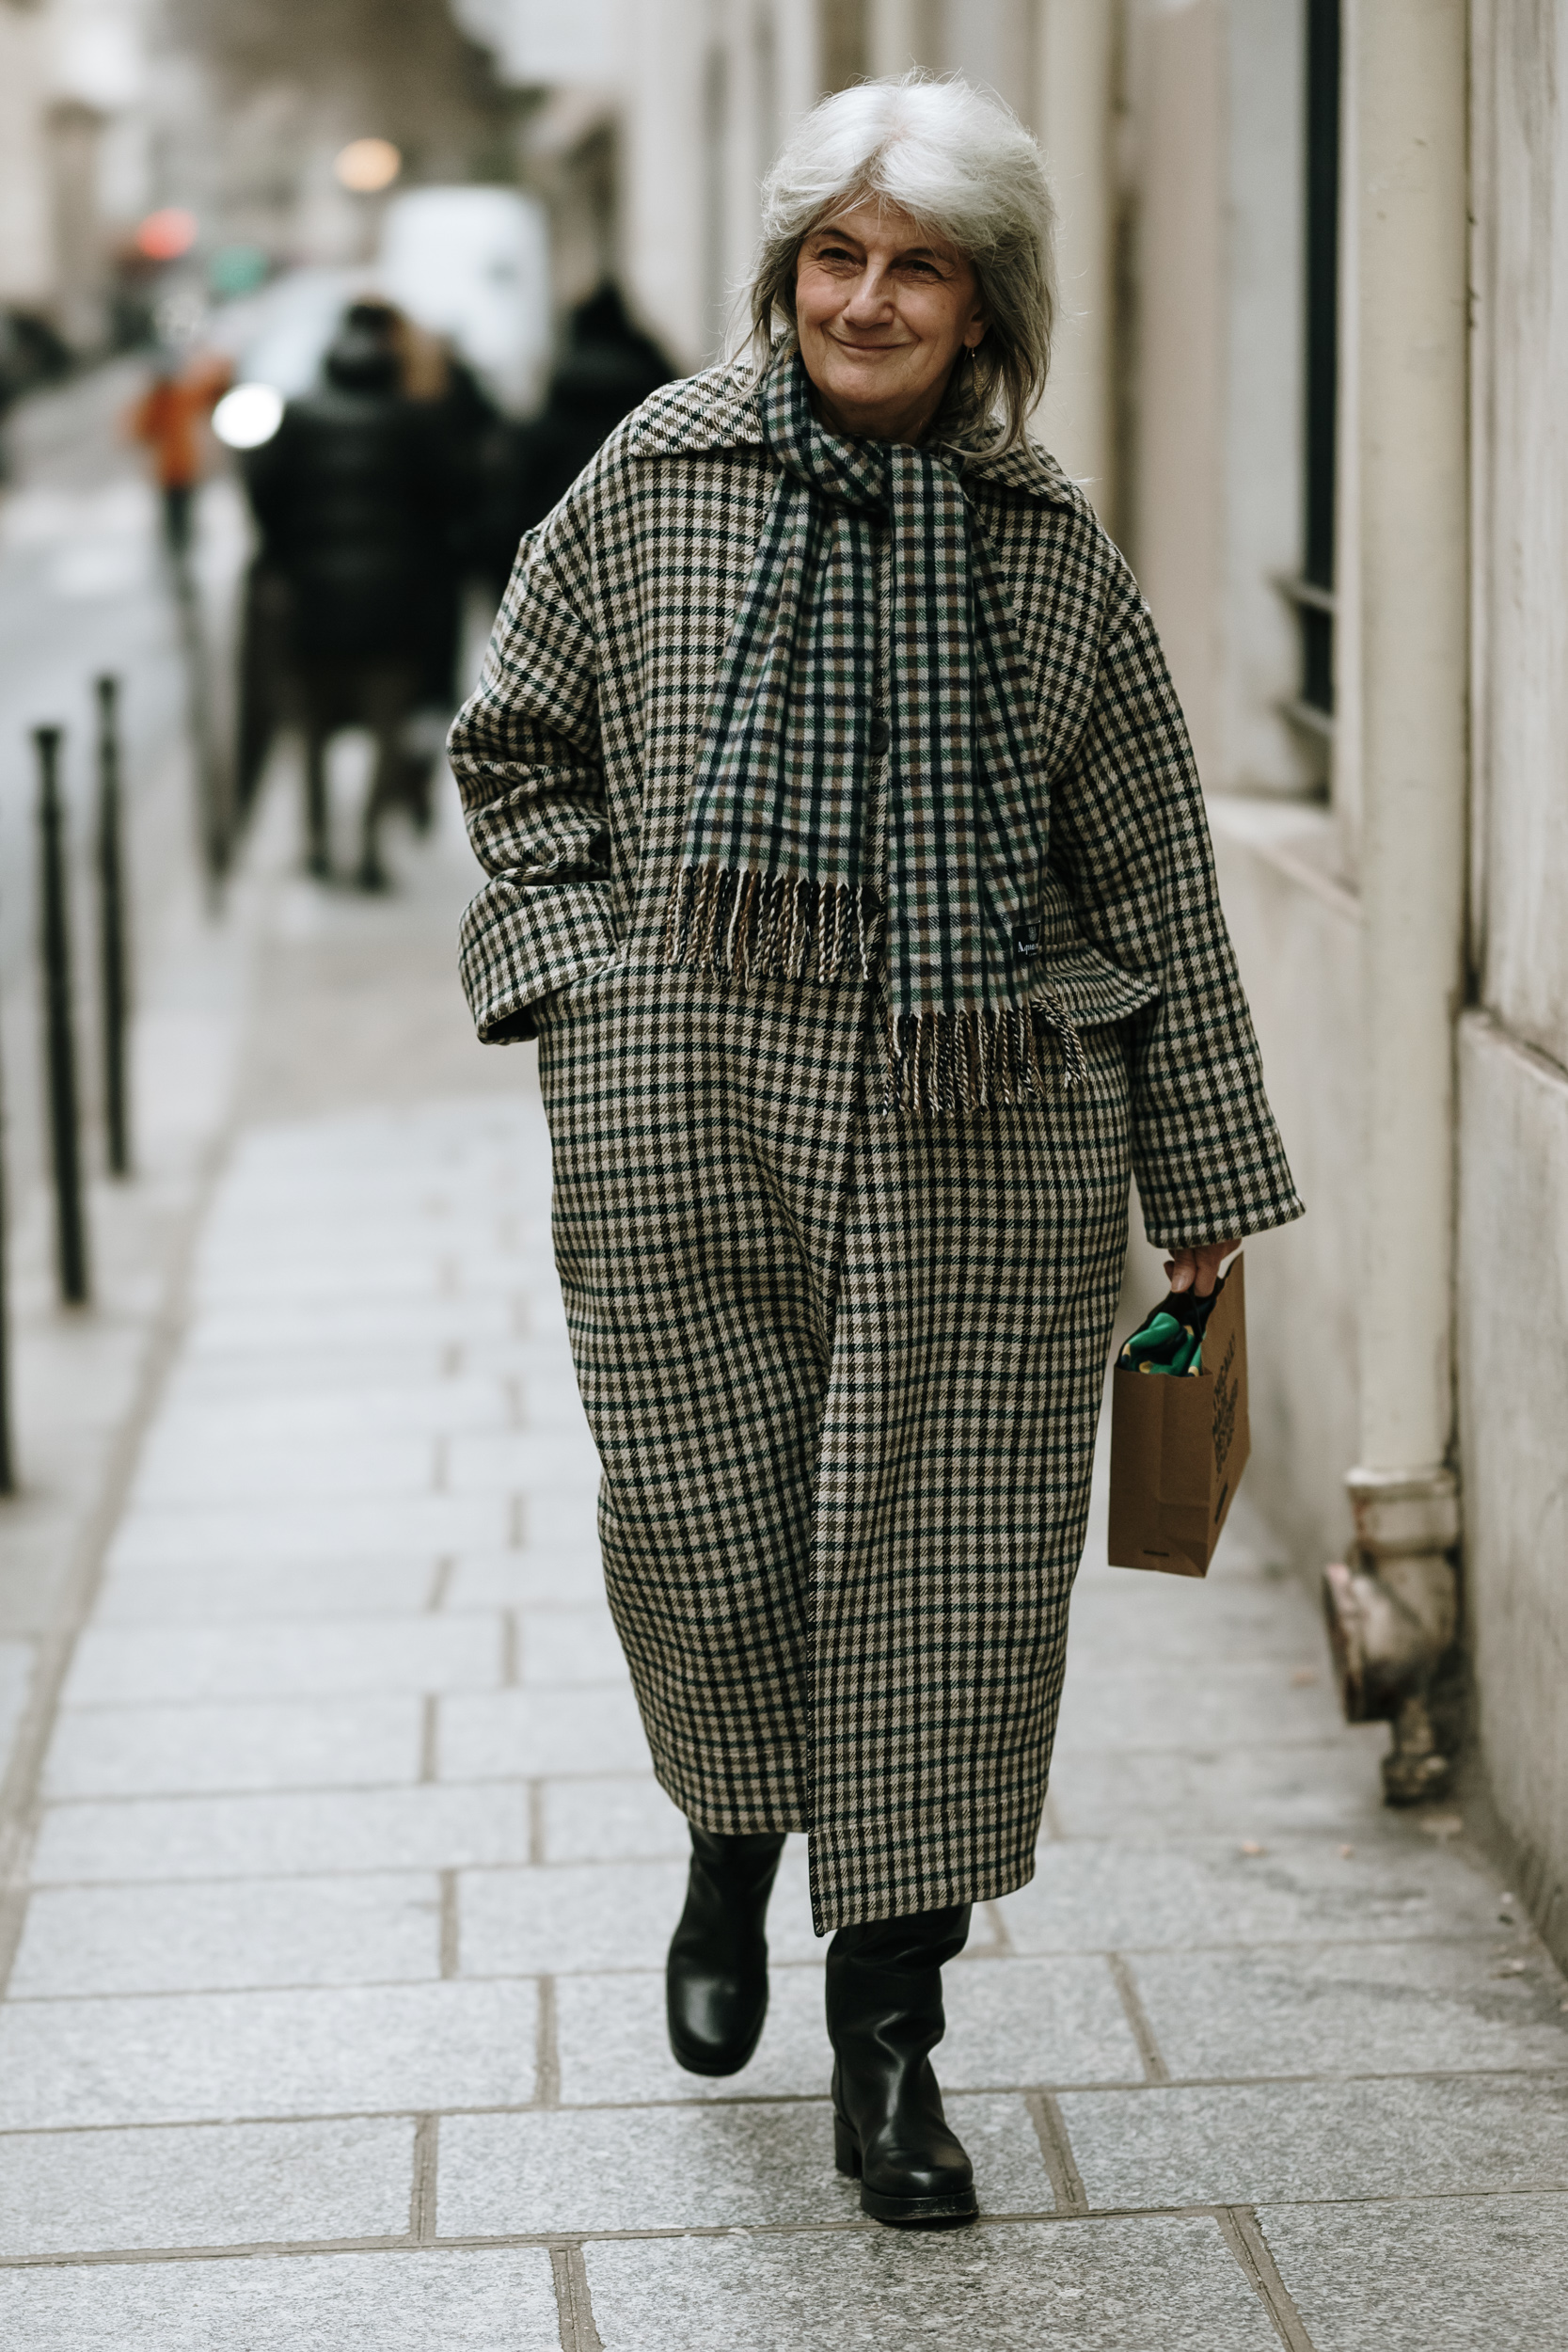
(717,410)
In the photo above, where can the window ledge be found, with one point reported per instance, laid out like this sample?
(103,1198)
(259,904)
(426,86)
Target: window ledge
(1300,839)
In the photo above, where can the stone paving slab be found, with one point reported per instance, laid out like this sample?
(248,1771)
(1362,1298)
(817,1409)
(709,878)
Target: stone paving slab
(1086,1894)
(385,1406)
(272,1836)
(555,1517)
(1445,2277)
(225,1471)
(362,1741)
(1036,2021)
(236,1933)
(570,1918)
(1432,2136)
(529,1577)
(513,1461)
(313,1588)
(1367,2009)
(614,2051)
(294,1327)
(1252,1790)
(361,2049)
(1023,2023)
(331,1371)
(569,1645)
(682,2167)
(500,1734)
(490,2300)
(217,2185)
(359,1529)
(576,1917)
(1119,1613)
(614,1819)
(280,1659)
(1094,2286)
(270,1266)
(1228,1703)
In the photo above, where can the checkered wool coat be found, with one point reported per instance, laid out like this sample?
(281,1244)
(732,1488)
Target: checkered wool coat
(843,1370)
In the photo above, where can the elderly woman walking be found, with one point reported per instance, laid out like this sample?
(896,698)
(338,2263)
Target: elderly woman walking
(847,857)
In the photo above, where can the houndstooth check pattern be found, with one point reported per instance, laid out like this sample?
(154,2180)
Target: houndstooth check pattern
(843,1371)
(776,868)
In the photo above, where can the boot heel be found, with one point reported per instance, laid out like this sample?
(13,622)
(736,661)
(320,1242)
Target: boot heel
(847,2150)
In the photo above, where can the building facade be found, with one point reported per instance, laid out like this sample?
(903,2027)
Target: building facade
(73,161)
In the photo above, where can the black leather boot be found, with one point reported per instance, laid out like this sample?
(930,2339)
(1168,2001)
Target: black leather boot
(716,1980)
(884,2018)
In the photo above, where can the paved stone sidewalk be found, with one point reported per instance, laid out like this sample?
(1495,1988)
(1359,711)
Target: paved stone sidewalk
(337,2014)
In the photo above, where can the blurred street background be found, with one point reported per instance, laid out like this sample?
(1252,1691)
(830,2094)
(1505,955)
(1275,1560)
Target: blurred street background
(334,1882)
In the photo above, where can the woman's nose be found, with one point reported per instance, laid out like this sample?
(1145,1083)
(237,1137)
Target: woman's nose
(868,302)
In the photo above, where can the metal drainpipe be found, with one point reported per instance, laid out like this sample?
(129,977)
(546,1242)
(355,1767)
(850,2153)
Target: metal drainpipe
(1393,1605)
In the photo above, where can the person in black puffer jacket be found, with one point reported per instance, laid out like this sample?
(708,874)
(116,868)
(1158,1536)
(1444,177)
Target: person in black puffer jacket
(353,498)
(607,368)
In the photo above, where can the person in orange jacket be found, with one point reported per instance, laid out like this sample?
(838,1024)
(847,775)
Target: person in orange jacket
(168,421)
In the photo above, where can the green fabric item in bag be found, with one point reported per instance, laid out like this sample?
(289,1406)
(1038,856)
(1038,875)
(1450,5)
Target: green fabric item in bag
(1164,1345)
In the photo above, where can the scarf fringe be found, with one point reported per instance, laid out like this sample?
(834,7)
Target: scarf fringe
(768,927)
(749,926)
(942,1062)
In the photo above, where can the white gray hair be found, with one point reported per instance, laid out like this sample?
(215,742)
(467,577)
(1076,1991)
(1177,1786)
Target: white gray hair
(962,164)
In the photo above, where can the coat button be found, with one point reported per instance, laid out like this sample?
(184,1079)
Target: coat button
(882,736)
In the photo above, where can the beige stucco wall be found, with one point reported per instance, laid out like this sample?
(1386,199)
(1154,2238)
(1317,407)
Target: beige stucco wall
(1074,114)
(1521,147)
(689,211)
(1214,155)
(1216,134)
(1513,1059)
(1513,1431)
(1174,506)
(26,236)
(1298,942)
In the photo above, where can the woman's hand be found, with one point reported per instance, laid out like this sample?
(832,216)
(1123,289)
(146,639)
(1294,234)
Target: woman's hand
(1198,1269)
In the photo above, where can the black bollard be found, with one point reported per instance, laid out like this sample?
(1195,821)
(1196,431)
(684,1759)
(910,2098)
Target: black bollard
(59,1043)
(111,932)
(212,826)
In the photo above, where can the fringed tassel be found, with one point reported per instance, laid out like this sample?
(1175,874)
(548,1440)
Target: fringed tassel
(1060,1022)
(767,927)
(946,1062)
(750,926)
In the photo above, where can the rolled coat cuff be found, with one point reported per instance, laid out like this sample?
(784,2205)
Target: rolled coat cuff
(520,940)
(1231,1204)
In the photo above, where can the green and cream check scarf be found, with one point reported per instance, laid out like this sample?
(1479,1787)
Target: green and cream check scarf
(776,876)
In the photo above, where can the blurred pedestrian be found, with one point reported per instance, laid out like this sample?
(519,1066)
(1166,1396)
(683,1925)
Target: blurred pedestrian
(171,420)
(607,368)
(354,499)
(468,428)
(848,859)
(31,354)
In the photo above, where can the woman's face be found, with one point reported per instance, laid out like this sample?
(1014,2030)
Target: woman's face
(883,308)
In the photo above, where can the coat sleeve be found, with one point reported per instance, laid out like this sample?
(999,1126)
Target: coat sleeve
(1130,841)
(525,750)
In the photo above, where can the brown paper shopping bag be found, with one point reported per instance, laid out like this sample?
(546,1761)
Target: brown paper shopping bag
(1179,1446)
